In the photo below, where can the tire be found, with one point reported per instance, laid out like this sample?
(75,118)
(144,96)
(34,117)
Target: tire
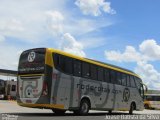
(110,112)
(132,107)
(59,112)
(84,108)
(146,106)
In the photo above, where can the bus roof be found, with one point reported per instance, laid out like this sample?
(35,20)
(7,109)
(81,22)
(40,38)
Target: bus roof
(94,62)
(8,72)
(111,65)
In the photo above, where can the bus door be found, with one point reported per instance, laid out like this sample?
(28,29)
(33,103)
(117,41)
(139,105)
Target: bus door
(121,97)
(122,92)
(110,97)
(109,86)
(62,83)
(59,90)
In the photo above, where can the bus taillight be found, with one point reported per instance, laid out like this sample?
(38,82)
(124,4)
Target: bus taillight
(54,76)
(45,89)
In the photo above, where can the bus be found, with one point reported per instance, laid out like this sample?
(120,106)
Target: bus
(152,101)
(8,89)
(56,80)
(2,89)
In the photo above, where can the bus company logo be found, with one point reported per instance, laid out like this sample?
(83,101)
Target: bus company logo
(31,56)
(126,94)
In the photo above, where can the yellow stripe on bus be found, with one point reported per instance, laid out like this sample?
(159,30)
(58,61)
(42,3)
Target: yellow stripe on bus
(31,75)
(49,58)
(59,106)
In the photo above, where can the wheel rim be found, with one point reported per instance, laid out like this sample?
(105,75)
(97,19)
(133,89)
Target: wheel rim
(84,108)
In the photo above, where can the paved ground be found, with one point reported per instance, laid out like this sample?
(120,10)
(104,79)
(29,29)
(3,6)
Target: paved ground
(9,110)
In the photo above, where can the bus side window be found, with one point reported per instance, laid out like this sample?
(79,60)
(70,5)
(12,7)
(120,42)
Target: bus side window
(113,76)
(157,98)
(68,68)
(85,70)
(13,88)
(107,75)
(77,68)
(132,81)
(139,86)
(93,72)
(61,63)
(124,79)
(56,61)
(119,78)
(100,74)
(137,83)
(128,81)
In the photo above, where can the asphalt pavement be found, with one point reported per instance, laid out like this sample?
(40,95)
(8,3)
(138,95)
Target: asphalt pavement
(9,110)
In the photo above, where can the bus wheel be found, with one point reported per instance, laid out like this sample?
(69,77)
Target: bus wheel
(146,106)
(84,108)
(59,112)
(110,111)
(132,107)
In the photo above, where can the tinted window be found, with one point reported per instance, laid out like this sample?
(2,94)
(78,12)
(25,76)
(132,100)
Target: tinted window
(124,81)
(113,76)
(68,65)
(93,72)
(59,62)
(63,63)
(1,83)
(56,60)
(132,81)
(128,81)
(157,98)
(152,98)
(32,61)
(100,74)
(13,88)
(139,86)
(107,75)
(85,70)
(119,78)
(77,67)
(137,81)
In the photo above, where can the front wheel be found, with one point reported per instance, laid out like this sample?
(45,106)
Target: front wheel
(132,107)
(59,112)
(84,108)
(110,111)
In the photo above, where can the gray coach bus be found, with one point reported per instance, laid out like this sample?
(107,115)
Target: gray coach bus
(52,79)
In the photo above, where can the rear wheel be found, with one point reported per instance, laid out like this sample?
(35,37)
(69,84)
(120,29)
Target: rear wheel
(84,108)
(146,106)
(59,112)
(110,111)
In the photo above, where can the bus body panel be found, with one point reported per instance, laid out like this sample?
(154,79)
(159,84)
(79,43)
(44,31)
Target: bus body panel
(155,104)
(30,88)
(69,90)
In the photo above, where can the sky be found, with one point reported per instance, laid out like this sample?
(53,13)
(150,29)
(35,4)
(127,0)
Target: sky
(120,32)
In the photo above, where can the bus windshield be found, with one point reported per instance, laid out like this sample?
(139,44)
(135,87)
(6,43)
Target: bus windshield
(32,61)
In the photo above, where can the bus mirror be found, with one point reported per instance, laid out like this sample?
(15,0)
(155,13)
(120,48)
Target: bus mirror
(145,87)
